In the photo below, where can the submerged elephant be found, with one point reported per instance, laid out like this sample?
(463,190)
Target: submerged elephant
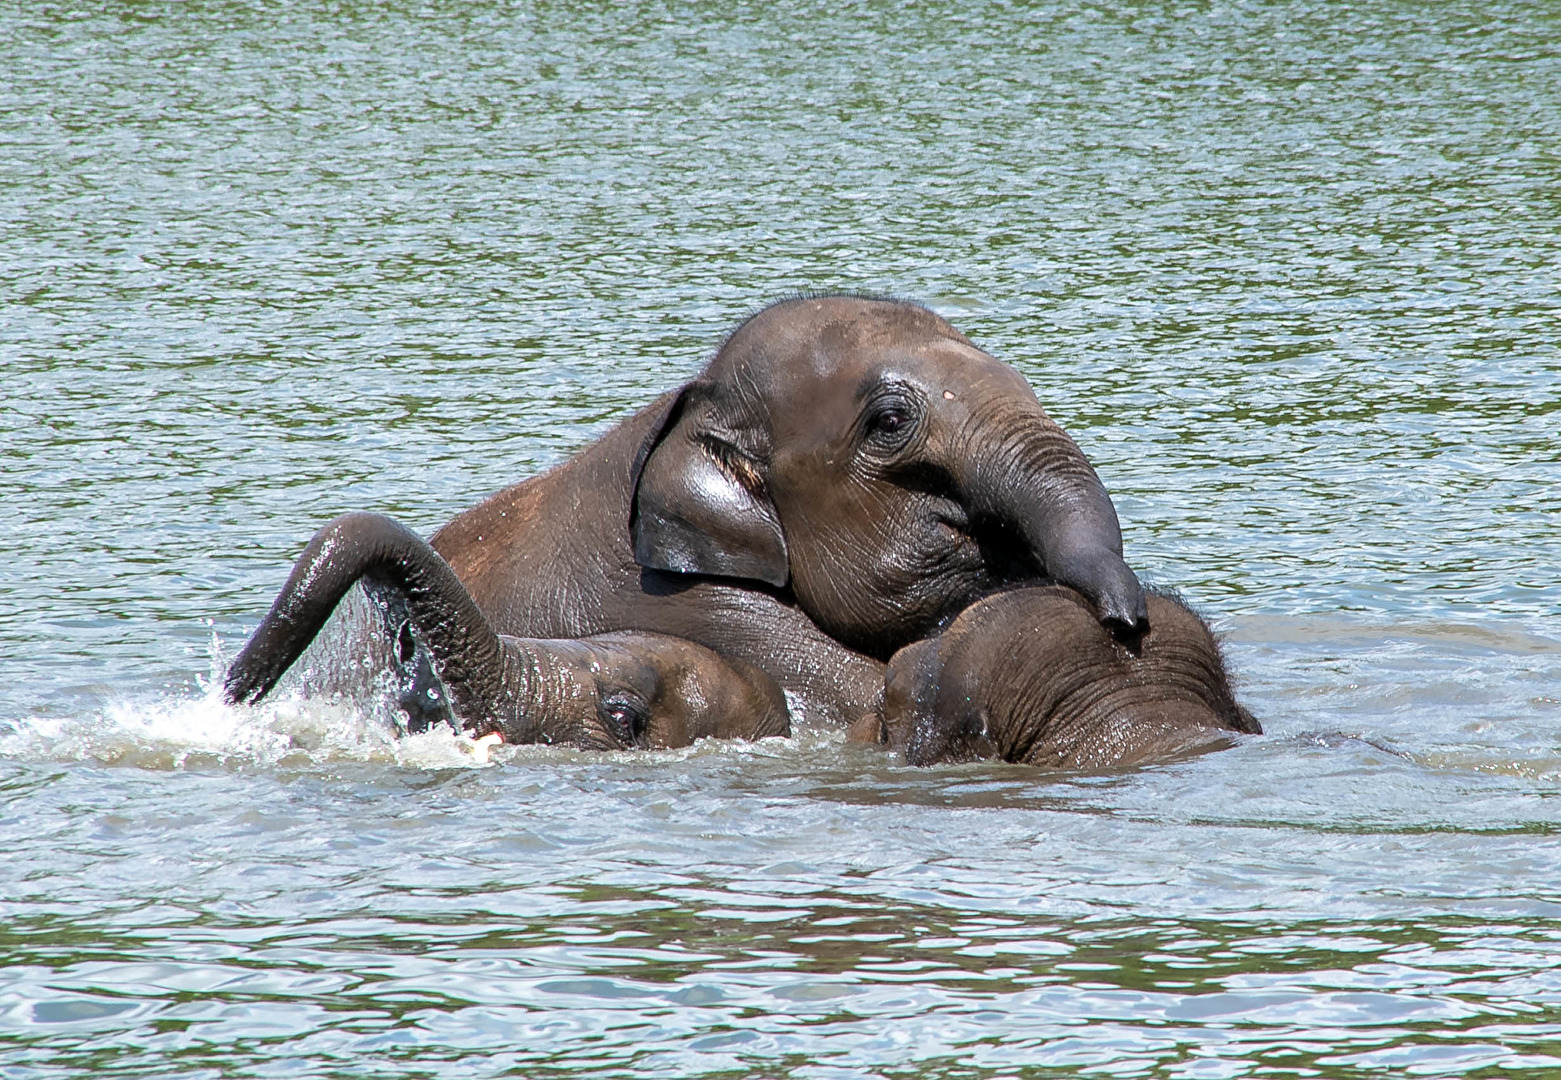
(610,691)
(1029,676)
(843,477)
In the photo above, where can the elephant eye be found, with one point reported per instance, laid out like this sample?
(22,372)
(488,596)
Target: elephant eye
(891,423)
(626,718)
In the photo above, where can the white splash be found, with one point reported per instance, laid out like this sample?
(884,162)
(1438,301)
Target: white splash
(297,726)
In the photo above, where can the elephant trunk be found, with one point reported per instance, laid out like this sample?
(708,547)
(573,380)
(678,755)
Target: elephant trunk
(468,656)
(1040,487)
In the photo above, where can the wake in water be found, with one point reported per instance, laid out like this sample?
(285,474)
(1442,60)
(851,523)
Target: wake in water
(337,704)
(295,728)
(1437,698)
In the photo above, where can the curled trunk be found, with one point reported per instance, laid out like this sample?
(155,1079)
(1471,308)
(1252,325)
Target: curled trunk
(469,658)
(611,691)
(1038,486)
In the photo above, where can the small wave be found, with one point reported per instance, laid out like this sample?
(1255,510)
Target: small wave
(337,704)
(298,726)
(1338,631)
(205,732)
(1539,766)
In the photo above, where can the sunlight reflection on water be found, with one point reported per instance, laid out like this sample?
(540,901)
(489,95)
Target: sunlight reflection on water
(1287,273)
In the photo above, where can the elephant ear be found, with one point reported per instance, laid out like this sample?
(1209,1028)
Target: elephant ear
(701,504)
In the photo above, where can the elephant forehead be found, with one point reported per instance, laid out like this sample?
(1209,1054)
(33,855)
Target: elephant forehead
(634,659)
(1172,620)
(1027,649)
(957,384)
(1045,616)
(794,354)
(1045,644)
(912,671)
(1054,625)
(966,372)
(669,665)
(580,672)
(855,322)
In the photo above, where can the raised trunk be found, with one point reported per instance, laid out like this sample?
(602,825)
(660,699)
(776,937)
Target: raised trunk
(482,675)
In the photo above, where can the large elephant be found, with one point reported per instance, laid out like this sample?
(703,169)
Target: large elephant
(611,691)
(1029,676)
(845,476)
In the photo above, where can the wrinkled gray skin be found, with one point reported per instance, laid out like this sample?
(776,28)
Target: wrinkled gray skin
(611,691)
(1029,676)
(844,476)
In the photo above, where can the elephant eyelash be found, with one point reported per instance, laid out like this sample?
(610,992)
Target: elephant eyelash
(626,718)
(897,402)
(891,436)
(734,463)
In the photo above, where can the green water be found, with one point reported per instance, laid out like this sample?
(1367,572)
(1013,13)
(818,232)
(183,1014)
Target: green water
(1289,274)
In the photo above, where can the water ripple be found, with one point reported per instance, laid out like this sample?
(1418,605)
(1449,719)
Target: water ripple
(1287,272)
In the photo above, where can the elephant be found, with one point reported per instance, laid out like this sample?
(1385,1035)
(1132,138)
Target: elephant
(845,475)
(1029,676)
(623,690)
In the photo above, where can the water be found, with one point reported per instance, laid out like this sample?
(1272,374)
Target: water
(1288,272)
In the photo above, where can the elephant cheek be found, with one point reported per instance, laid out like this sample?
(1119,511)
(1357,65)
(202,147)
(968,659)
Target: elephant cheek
(886,580)
(949,739)
(966,734)
(931,718)
(670,729)
(906,692)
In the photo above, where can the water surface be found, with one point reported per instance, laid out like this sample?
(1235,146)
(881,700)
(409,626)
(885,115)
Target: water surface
(1287,272)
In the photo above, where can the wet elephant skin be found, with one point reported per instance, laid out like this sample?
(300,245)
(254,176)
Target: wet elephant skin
(607,691)
(845,476)
(1030,676)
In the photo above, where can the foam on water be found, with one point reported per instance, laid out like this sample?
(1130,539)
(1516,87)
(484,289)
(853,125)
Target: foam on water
(182,733)
(337,706)
(296,726)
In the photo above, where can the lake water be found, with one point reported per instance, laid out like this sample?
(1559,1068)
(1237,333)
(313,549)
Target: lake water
(1291,275)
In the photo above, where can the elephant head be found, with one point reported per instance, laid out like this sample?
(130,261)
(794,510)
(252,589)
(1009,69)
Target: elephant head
(1030,676)
(610,691)
(866,456)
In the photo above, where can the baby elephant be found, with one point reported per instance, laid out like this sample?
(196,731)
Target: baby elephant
(607,692)
(1030,676)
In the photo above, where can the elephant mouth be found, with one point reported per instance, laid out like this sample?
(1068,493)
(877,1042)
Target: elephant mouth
(1003,555)
(1006,556)
(953,520)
